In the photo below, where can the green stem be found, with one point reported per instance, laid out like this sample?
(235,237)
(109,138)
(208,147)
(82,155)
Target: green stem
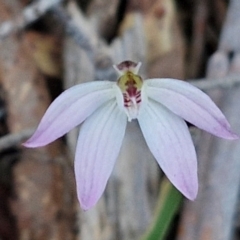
(168,204)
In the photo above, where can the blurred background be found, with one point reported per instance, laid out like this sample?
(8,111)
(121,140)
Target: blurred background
(47,46)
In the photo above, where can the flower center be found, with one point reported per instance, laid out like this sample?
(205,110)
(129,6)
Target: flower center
(130,85)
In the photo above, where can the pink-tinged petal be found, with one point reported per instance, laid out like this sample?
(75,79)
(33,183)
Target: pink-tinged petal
(70,109)
(191,104)
(99,143)
(169,140)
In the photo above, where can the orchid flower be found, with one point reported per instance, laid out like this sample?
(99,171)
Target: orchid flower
(105,107)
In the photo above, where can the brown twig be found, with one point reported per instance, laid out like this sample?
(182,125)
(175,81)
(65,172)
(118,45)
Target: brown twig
(30,14)
(207,84)
(78,29)
(199,29)
(14,139)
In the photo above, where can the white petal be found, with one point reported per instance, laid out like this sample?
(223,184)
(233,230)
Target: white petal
(70,109)
(191,104)
(168,138)
(99,143)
